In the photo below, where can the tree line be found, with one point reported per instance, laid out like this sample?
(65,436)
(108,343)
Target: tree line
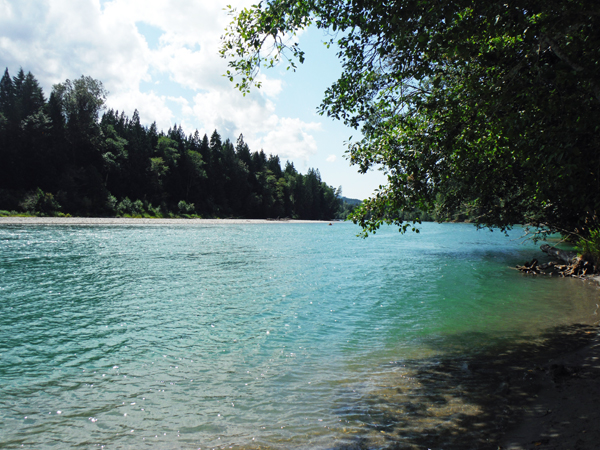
(62,156)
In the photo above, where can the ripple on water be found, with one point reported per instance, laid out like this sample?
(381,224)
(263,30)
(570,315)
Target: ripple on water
(263,336)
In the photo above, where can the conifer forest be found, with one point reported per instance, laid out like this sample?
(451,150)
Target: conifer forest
(68,155)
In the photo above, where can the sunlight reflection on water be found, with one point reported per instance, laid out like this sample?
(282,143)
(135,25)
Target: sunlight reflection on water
(255,335)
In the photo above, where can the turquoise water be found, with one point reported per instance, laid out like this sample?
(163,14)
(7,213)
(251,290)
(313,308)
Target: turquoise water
(254,335)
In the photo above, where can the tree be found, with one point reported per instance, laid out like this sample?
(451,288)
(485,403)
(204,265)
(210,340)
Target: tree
(81,100)
(192,171)
(8,134)
(114,153)
(29,95)
(7,93)
(492,106)
(243,151)
(24,128)
(167,150)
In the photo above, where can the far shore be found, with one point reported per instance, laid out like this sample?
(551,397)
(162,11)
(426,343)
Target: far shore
(14,220)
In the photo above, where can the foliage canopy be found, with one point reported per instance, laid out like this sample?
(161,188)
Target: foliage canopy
(492,107)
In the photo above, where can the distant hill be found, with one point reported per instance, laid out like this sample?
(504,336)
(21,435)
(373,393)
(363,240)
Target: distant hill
(346,207)
(351,201)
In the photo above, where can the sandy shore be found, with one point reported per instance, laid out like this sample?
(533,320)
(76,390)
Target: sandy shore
(539,398)
(126,221)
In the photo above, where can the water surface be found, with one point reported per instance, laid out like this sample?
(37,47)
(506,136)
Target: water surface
(252,335)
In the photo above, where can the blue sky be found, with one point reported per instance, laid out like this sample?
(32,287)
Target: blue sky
(161,57)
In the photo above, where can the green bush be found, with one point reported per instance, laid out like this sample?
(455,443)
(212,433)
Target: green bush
(111,204)
(39,201)
(589,248)
(154,211)
(124,207)
(185,207)
(138,208)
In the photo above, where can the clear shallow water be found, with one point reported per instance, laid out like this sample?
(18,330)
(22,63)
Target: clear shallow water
(273,335)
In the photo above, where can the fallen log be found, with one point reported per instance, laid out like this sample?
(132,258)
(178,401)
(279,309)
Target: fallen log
(563,255)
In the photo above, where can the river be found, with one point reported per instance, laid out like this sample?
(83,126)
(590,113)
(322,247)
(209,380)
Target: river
(258,335)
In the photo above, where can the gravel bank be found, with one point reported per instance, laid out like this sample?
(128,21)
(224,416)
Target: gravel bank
(126,221)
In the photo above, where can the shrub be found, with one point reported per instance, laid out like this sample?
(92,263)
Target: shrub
(589,248)
(127,208)
(40,202)
(185,207)
(111,203)
(124,207)
(138,208)
(154,211)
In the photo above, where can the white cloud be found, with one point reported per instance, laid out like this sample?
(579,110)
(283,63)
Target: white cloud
(151,107)
(230,113)
(331,158)
(269,86)
(60,39)
(253,115)
(290,139)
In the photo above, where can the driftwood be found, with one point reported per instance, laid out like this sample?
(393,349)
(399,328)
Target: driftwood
(580,267)
(570,264)
(564,256)
(530,267)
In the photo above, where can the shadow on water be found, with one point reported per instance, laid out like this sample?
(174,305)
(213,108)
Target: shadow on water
(462,401)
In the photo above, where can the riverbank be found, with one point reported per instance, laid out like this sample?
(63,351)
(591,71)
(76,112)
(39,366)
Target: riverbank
(131,221)
(540,392)
(556,401)
(564,413)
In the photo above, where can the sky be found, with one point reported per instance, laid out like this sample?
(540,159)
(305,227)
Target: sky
(162,58)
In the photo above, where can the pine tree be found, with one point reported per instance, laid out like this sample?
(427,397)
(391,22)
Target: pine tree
(7,94)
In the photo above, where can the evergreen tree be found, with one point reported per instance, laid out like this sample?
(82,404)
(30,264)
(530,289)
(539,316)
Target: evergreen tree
(60,156)
(7,94)
(30,97)
(6,146)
